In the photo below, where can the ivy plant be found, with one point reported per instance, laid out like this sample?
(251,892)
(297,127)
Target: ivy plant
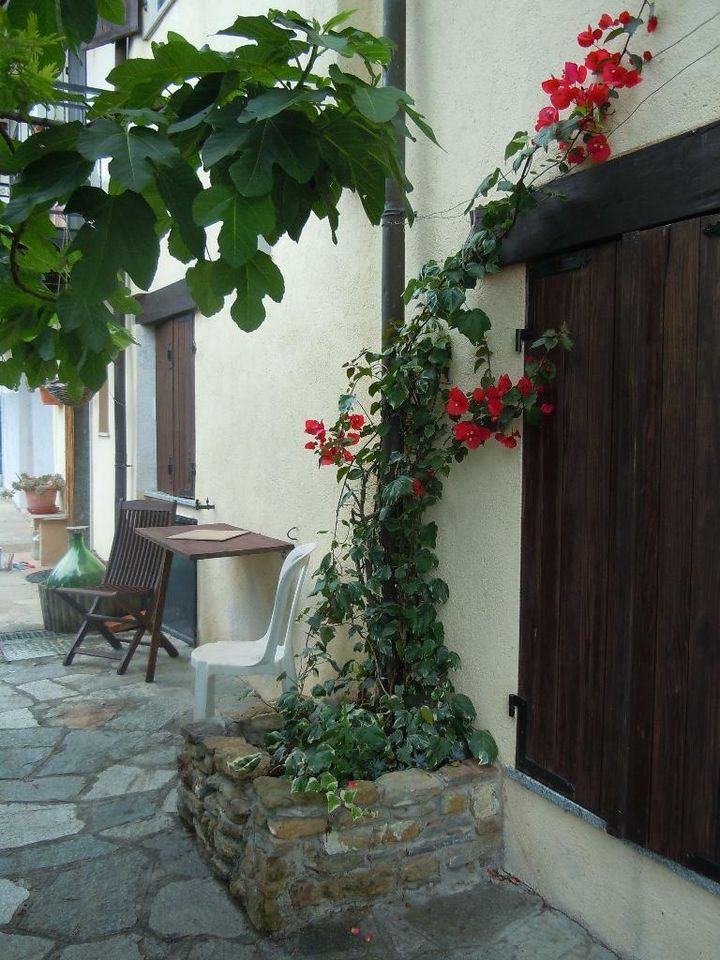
(220,153)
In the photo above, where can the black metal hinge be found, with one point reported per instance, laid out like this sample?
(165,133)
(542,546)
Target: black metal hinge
(522,335)
(518,706)
(712,229)
(170,468)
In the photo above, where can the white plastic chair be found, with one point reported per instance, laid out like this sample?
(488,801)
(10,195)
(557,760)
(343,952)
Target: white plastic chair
(271,655)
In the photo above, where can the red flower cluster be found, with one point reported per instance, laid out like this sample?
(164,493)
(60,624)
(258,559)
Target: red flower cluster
(587,88)
(331,447)
(486,404)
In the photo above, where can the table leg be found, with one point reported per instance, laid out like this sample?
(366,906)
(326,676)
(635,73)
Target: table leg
(156,637)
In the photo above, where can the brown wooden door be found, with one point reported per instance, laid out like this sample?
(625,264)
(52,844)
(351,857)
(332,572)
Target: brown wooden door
(620,613)
(175,406)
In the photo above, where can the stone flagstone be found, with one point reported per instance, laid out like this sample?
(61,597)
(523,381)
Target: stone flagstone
(45,690)
(56,854)
(11,896)
(196,907)
(120,780)
(24,948)
(42,788)
(15,719)
(116,948)
(36,822)
(91,900)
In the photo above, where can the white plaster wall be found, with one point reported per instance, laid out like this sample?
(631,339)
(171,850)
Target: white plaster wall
(27,437)
(475,70)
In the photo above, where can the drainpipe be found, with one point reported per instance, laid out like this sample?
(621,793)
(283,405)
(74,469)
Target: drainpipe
(393,216)
(119,390)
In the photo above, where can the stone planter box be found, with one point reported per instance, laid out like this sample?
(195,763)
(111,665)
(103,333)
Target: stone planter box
(290,863)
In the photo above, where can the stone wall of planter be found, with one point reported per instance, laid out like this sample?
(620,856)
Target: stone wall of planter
(290,863)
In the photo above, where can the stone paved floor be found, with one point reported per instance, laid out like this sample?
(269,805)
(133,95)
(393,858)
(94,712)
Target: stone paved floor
(94,864)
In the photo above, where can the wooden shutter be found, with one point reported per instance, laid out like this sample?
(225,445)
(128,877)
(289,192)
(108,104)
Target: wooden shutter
(175,406)
(620,618)
(184,420)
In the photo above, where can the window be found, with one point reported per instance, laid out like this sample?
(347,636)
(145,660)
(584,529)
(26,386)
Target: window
(620,612)
(153,12)
(175,406)
(103,400)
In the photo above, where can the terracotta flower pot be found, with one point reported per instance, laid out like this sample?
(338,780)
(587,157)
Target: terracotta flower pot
(41,502)
(48,399)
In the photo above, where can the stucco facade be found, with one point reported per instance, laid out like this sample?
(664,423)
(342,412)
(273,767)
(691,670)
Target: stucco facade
(475,72)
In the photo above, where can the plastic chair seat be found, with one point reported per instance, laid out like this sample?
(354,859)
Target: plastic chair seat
(230,653)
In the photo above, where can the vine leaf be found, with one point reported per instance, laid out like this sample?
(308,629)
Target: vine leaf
(255,280)
(119,234)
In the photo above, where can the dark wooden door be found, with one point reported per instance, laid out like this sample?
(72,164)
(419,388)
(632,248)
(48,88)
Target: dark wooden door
(620,612)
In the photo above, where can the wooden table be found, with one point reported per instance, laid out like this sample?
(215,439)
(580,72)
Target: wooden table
(246,545)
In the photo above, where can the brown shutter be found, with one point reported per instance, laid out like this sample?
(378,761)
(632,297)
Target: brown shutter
(566,504)
(184,413)
(107,32)
(701,507)
(164,406)
(620,618)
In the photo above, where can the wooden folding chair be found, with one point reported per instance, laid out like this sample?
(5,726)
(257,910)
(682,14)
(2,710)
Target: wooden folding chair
(130,585)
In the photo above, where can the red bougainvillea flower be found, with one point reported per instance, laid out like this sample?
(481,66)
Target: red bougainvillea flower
(605,21)
(596,59)
(589,36)
(598,148)
(575,155)
(457,403)
(624,18)
(472,435)
(574,73)
(418,488)
(351,438)
(652,24)
(357,421)
(329,457)
(311,445)
(478,394)
(632,78)
(504,384)
(507,441)
(494,402)
(314,427)
(525,386)
(546,408)
(546,117)
(355,931)
(647,56)
(347,456)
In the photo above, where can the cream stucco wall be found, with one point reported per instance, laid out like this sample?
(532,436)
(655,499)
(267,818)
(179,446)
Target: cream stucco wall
(475,70)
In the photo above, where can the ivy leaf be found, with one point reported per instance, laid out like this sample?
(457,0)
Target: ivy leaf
(517,143)
(255,280)
(438,750)
(463,706)
(482,746)
(474,324)
(399,487)
(119,235)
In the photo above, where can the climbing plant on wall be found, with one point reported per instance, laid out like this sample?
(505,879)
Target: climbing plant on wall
(392,703)
(210,150)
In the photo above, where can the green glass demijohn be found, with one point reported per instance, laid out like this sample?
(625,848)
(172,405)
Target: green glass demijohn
(79,567)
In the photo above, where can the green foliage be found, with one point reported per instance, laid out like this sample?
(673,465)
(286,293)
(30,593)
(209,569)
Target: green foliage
(277,137)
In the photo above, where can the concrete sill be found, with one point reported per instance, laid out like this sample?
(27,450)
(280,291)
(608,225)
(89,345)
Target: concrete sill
(594,821)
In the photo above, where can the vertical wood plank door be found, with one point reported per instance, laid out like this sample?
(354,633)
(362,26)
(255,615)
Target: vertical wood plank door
(620,605)
(184,415)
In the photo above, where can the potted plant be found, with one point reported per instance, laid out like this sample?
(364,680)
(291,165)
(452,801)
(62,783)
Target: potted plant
(40,492)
